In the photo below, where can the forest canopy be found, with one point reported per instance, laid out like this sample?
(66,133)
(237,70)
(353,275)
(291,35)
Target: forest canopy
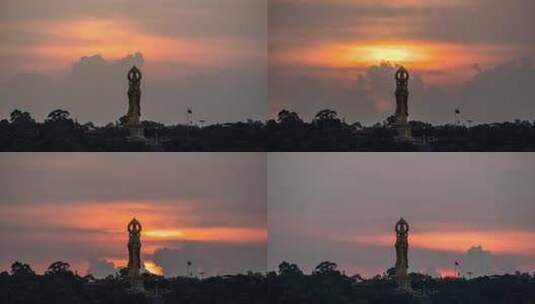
(289,284)
(287,132)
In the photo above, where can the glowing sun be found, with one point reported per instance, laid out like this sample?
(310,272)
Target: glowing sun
(392,54)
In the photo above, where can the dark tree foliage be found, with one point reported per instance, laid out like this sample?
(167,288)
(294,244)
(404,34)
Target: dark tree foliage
(288,132)
(21,270)
(289,285)
(239,289)
(60,285)
(327,285)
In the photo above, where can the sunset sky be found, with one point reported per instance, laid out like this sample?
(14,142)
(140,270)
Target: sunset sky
(473,54)
(201,54)
(474,208)
(206,208)
(477,55)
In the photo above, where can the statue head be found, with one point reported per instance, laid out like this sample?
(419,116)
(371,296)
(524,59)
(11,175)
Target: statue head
(134,227)
(134,75)
(402,77)
(402,227)
(402,74)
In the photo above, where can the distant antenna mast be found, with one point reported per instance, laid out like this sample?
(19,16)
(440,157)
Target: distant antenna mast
(189,115)
(456,117)
(190,273)
(457,273)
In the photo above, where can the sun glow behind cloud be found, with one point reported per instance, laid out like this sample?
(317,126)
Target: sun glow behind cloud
(153,268)
(357,34)
(162,221)
(426,57)
(213,234)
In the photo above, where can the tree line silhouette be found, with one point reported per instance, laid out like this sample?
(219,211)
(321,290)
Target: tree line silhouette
(289,285)
(60,285)
(286,132)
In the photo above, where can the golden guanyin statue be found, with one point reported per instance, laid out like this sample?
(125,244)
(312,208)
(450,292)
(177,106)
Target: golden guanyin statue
(402,250)
(134,97)
(401,116)
(134,255)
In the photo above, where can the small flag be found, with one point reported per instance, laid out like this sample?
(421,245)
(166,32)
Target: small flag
(189,111)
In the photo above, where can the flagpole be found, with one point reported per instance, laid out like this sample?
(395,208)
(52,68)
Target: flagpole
(456,269)
(187,119)
(190,114)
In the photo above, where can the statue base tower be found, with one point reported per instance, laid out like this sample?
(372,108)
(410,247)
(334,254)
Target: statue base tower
(404,131)
(403,281)
(136,134)
(136,286)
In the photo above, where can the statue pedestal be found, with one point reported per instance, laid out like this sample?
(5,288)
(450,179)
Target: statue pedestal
(136,134)
(404,131)
(404,283)
(136,286)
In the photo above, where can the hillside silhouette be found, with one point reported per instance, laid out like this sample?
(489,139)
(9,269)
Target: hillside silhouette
(287,132)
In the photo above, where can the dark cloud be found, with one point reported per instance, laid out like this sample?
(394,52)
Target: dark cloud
(95,90)
(369,260)
(40,248)
(501,93)
(211,259)
(479,262)
(101,268)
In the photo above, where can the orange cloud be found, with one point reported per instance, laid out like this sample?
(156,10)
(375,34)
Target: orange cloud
(69,40)
(104,217)
(153,268)
(389,3)
(163,221)
(497,241)
(421,55)
(438,62)
(210,234)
